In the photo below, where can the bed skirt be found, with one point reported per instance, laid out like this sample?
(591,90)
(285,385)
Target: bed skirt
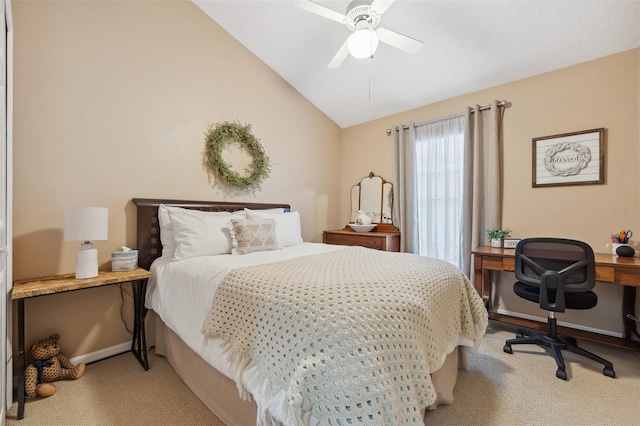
(220,394)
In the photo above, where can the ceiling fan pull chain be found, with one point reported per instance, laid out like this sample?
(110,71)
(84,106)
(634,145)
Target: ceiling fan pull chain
(370,57)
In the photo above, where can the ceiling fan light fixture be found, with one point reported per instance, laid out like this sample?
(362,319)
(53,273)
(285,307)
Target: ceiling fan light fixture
(362,43)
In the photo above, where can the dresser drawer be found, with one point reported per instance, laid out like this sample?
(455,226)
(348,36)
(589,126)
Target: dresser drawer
(355,240)
(375,240)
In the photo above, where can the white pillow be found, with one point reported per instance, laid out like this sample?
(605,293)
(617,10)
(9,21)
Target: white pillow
(276,210)
(288,229)
(199,233)
(167,238)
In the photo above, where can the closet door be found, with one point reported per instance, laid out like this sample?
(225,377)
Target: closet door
(6,41)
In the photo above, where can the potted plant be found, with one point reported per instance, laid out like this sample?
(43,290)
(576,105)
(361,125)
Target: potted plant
(496,235)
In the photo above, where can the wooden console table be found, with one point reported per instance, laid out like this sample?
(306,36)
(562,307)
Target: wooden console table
(25,289)
(610,269)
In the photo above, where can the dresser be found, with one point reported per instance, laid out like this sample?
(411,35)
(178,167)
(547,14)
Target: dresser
(379,240)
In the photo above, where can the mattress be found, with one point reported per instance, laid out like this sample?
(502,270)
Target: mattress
(181,294)
(218,392)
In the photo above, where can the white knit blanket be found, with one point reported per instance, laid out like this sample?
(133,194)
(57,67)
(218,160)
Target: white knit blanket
(351,335)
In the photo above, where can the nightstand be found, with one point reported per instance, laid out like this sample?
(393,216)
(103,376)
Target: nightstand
(25,289)
(379,240)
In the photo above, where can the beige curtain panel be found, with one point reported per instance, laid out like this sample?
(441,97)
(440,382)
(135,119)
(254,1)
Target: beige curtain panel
(482,204)
(404,182)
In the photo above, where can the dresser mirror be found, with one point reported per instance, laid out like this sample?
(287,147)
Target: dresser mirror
(373,194)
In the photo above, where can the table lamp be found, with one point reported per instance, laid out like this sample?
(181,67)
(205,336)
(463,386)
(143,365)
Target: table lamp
(86,224)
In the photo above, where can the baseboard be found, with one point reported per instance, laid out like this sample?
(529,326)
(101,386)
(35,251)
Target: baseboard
(102,353)
(561,323)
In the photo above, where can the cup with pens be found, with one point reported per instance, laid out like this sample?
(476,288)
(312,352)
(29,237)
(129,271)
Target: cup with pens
(620,244)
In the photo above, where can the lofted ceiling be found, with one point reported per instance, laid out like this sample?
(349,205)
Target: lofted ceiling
(468,46)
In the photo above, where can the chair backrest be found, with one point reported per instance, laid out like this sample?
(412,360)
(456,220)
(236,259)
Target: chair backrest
(556,265)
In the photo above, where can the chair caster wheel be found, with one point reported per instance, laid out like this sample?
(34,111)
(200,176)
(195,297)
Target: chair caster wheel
(608,371)
(561,374)
(507,349)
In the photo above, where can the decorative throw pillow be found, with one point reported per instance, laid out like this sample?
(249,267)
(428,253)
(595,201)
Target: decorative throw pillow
(248,236)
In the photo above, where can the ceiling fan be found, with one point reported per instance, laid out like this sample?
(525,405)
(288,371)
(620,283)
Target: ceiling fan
(362,18)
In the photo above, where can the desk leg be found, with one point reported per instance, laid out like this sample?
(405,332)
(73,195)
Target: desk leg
(21,392)
(481,280)
(139,343)
(486,287)
(628,307)
(477,273)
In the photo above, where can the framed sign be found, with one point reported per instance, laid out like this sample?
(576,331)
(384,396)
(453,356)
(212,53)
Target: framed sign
(510,243)
(569,159)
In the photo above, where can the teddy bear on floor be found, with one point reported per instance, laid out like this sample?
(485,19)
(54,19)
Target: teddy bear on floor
(49,365)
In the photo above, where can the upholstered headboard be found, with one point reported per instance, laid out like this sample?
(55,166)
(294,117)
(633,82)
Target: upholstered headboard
(148,229)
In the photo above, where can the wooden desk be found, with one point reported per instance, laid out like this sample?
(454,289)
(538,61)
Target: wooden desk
(610,269)
(25,289)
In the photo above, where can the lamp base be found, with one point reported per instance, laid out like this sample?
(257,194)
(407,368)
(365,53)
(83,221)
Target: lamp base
(87,263)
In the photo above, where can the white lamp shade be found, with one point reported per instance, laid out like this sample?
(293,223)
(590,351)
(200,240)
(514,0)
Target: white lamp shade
(86,224)
(362,43)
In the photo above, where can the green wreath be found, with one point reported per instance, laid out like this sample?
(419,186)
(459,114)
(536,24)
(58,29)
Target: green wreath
(217,138)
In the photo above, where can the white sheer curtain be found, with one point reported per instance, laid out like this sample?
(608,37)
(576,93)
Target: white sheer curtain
(428,179)
(439,150)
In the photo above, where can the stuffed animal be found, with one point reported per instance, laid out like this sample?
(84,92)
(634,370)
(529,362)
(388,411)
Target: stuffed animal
(49,365)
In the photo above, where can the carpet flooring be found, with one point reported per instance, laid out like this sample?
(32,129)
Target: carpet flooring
(498,389)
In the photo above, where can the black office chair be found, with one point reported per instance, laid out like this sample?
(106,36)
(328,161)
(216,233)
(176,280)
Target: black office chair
(557,273)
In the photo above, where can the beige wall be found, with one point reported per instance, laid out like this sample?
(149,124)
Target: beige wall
(600,93)
(112,100)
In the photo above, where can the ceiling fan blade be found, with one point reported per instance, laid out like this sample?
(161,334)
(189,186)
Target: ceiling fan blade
(318,9)
(339,57)
(400,41)
(380,6)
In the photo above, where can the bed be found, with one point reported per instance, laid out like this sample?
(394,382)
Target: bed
(204,309)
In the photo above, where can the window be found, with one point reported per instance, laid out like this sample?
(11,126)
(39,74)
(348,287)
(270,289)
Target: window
(439,146)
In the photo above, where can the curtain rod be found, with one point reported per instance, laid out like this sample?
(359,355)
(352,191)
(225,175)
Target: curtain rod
(482,108)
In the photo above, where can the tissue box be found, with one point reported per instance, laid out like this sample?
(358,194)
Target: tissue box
(124,260)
